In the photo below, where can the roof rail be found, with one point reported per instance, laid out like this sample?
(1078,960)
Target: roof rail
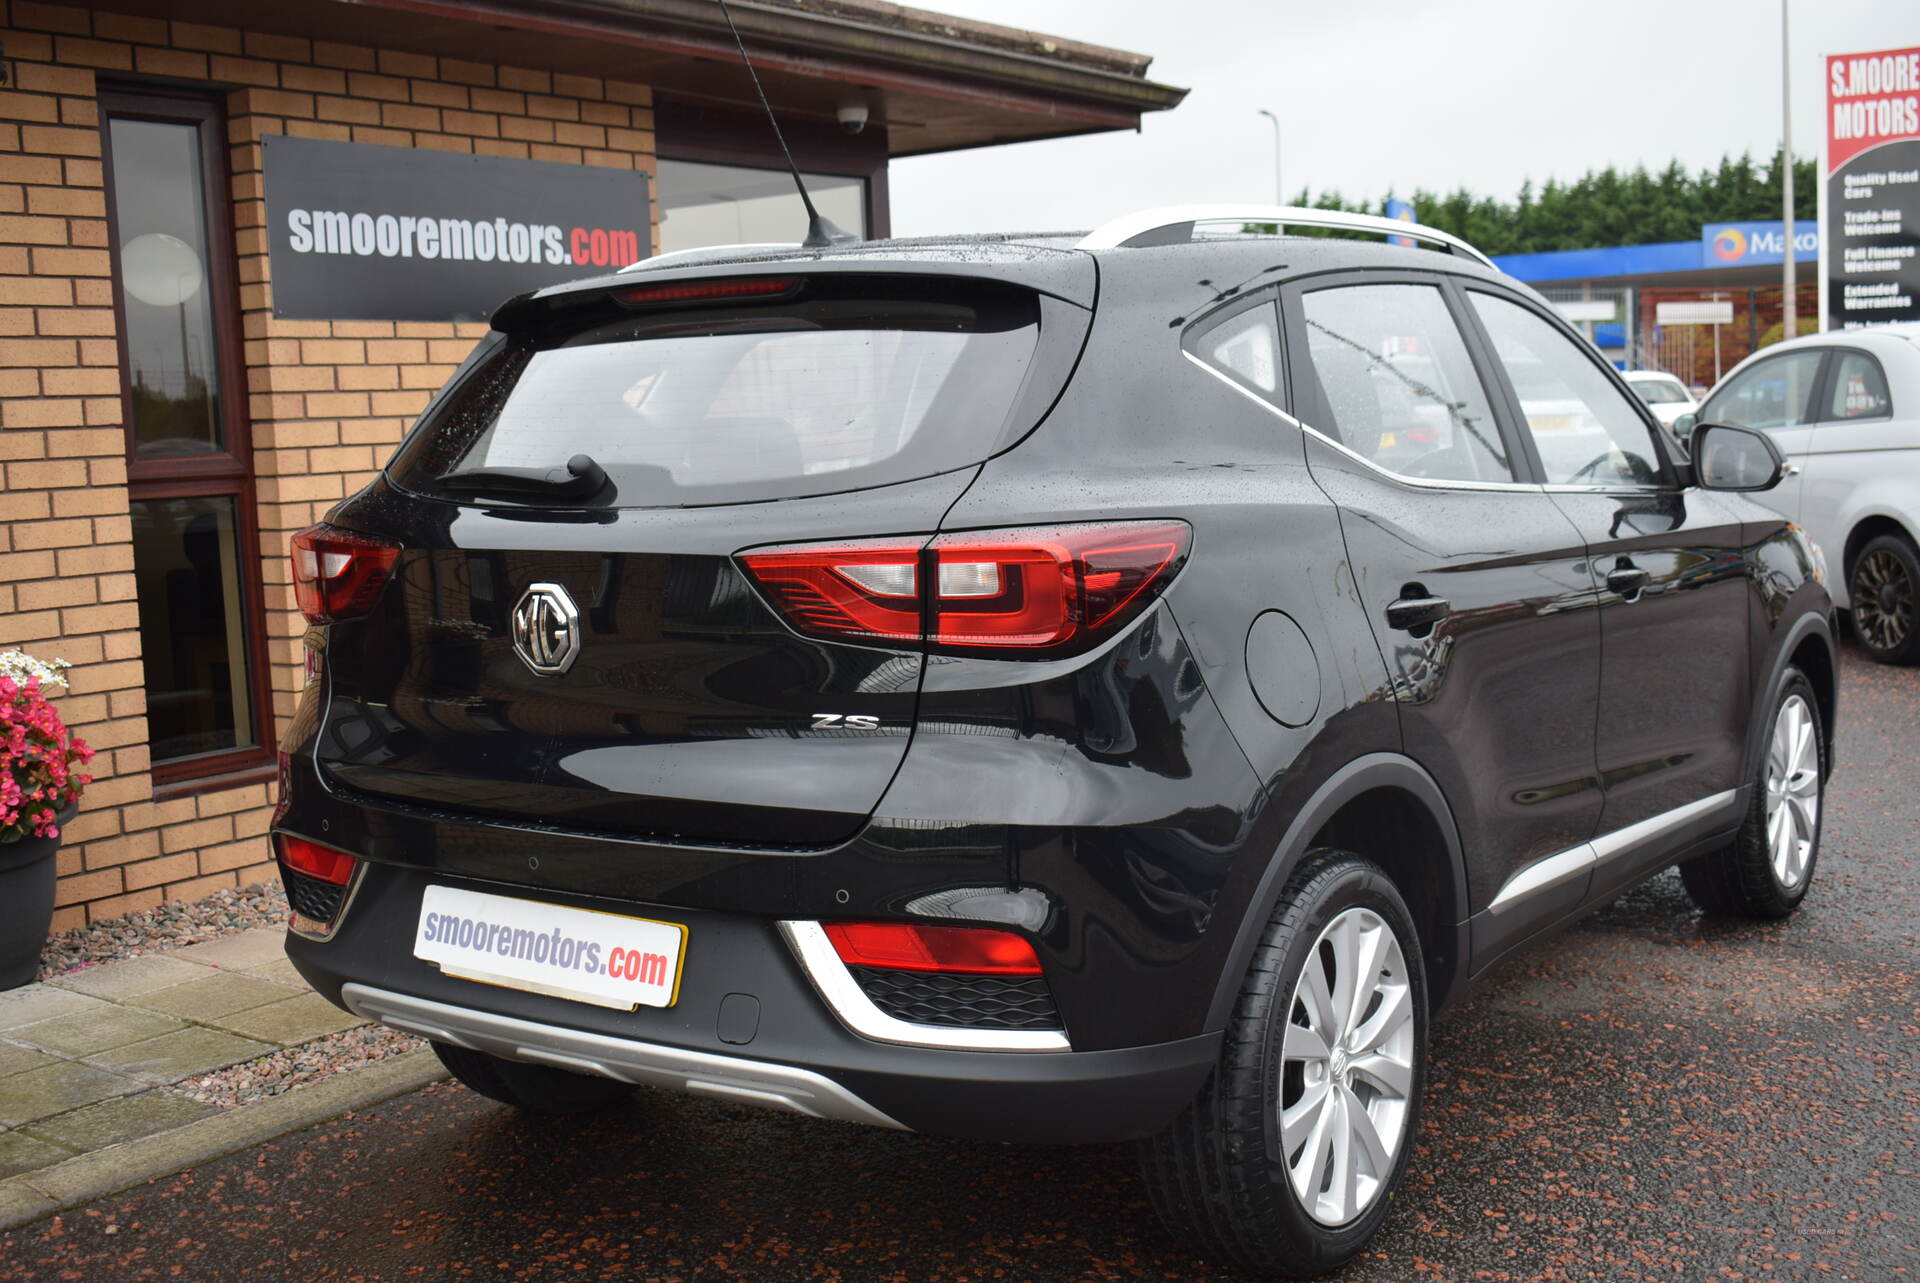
(1174,224)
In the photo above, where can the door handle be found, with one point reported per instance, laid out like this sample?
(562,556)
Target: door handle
(1628,580)
(1417,615)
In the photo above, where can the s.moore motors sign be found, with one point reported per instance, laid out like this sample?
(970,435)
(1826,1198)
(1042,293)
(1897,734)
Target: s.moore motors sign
(1870,189)
(363,232)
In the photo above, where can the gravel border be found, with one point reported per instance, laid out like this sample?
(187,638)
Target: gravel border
(290,1067)
(173,925)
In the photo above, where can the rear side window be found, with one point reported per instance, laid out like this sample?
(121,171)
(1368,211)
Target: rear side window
(1859,388)
(1399,384)
(1245,346)
(1774,393)
(725,404)
(1660,391)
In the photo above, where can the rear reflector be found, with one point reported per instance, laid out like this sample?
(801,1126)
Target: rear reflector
(1041,588)
(694,291)
(335,868)
(338,574)
(908,946)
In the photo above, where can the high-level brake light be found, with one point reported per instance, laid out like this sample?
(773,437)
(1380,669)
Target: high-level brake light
(338,574)
(698,291)
(1041,588)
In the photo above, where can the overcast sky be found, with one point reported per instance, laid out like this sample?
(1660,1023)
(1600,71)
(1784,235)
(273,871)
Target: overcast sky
(1394,94)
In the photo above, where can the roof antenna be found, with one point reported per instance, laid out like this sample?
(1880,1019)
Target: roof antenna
(821,233)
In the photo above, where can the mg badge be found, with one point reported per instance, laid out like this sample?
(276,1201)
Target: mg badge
(546,629)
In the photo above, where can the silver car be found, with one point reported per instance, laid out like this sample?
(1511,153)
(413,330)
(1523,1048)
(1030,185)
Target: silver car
(1845,408)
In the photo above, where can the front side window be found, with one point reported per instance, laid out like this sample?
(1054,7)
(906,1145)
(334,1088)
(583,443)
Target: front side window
(1584,428)
(1660,391)
(1399,385)
(189,477)
(1859,389)
(1774,393)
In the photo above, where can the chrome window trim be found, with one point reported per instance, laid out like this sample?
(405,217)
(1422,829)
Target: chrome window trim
(699,1073)
(1117,232)
(808,940)
(1550,871)
(1429,483)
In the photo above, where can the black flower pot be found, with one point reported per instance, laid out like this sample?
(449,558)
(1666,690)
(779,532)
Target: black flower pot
(26,903)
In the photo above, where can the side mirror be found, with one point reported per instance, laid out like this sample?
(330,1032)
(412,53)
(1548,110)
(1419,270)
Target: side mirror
(1683,426)
(1726,457)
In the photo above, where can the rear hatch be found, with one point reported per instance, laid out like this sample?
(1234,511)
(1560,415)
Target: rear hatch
(652,691)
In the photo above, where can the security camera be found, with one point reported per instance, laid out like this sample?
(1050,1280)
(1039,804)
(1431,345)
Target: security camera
(853,117)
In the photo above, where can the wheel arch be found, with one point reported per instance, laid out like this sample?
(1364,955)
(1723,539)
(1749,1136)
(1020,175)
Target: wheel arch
(1869,526)
(1388,809)
(1809,647)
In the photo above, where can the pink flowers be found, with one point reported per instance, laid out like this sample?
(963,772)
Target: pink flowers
(37,761)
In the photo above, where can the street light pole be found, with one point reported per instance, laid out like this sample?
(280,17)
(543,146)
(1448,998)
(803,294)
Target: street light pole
(1789,312)
(1279,192)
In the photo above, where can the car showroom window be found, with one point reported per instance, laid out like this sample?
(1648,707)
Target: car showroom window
(1859,389)
(1245,346)
(1587,431)
(1774,393)
(1399,386)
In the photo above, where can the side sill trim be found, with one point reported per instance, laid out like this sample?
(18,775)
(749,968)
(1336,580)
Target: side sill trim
(856,1011)
(1550,871)
(750,1082)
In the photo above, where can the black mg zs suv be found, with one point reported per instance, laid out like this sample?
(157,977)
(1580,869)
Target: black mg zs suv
(1041,689)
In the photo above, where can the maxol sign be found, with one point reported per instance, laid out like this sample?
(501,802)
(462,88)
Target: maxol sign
(362,232)
(1756,244)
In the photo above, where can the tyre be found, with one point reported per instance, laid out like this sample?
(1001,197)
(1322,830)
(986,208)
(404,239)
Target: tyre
(538,1089)
(1765,871)
(1883,586)
(1287,1160)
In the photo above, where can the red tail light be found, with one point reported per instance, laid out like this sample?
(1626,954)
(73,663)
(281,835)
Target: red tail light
(338,574)
(1035,588)
(323,863)
(909,946)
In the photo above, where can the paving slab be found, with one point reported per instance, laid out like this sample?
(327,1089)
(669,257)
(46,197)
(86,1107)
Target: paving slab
(174,1056)
(31,1003)
(282,970)
(17,1060)
(215,994)
(56,1088)
(238,952)
(20,1152)
(292,1020)
(130,977)
(98,1029)
(113,1121)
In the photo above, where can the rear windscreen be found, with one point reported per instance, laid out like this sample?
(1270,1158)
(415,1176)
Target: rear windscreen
(732,402)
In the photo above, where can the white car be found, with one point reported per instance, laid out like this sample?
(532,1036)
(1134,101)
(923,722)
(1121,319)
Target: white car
(1664,394)
(1845,408)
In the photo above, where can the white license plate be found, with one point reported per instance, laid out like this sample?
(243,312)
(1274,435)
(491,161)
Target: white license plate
(602,958)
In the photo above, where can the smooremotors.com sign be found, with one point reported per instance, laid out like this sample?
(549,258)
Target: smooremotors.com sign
(360,232)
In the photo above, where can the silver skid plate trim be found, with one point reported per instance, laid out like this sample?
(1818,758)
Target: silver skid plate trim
(699,1073)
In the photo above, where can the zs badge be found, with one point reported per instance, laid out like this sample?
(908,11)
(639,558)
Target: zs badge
(845,721)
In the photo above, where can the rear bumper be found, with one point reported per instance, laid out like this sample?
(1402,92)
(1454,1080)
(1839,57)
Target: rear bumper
(794,1054)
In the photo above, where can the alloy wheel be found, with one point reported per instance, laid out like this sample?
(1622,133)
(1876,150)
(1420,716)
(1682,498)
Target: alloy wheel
(1347,1067)
(1793,791)
(1883,600)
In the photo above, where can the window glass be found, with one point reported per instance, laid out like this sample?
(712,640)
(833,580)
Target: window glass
(702,205)
(1769,394)
(1399,384)
(186,569)
(1246,346)
(1859,388)
(1585,429)
(1659,391)
(796,398)
(161,224)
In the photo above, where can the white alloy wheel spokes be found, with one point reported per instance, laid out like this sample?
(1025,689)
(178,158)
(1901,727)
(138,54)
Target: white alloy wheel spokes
(1793,791)
(1346,1067)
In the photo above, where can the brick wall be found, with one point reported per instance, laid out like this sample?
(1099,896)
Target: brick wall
(327,400)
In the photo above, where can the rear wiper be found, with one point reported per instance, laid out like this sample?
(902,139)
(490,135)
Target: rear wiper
(581,478)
